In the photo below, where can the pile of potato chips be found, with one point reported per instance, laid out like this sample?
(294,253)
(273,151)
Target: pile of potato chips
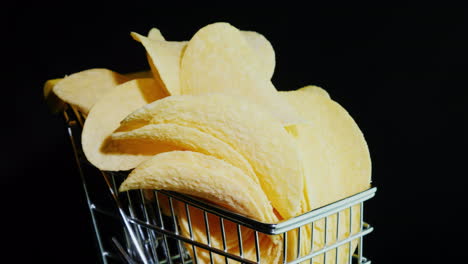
(207,121)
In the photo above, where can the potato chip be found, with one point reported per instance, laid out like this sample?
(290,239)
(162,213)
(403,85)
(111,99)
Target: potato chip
(49,85)
(105,117)
(212,179)
(139,75)
(262,47)
(155,34)
(187,138)
(219,59)
(270,246)
(263,50)
(314,89)
(336,160)
(248,128)
(335,151)
(164,58)
(331,233)
(202,176)
(54,103)
(83,89)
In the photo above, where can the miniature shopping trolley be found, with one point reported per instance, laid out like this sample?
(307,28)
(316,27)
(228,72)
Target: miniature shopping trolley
(142,226)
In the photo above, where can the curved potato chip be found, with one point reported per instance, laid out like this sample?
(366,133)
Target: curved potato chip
(262,47)
(336,157)
(155,34)
(219,59)
(336,162)
(205,177)
(270,246)
(314,89)
(139,75)
(83,89)
(164,58)
(209,178)
(187,138)
(331,233)
(54,103)
(264,51)
(248,128)
(48,86)
(105,117)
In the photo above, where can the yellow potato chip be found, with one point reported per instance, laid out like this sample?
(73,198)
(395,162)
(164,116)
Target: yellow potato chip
(49,85)
(139,75)
(263,50)
(248,128)
(83,89)
(319,238)
(212,179)
(164,58)
(219,59)
(202,176)
(334,150)
(270,246)
(336,162)
(187,138)
(155,34)
(314,89)
(105,117)
(54,103)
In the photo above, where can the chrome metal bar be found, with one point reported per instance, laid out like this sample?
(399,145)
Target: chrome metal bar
(139,234)
(239,237)
(361,244)
(298,242)
(350,245)
(189,223)
(114,192)
(223,236)
(147,218)
(122,251)
(191,241)
(257,247)
(365,261)
(195,256)
(158,207)
(364,232)
(276,228)
(322,211)
(312,240)
(161,220)
(285,248)
(337,236)
(139,251)
(86,192)
(114,185)
(207,228)
(208,235)
(325,239)
(176,230)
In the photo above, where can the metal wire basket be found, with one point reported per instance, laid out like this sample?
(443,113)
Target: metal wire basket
(143,226)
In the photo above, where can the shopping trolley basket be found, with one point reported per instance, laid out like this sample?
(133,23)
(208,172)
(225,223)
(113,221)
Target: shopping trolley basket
(136,227)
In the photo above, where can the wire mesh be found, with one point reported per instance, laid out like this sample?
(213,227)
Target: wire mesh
(150,226)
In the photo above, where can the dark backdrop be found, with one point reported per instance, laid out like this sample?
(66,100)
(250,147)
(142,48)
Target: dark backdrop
(400,72)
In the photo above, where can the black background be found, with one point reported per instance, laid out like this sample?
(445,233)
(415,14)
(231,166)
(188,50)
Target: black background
(400,72)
